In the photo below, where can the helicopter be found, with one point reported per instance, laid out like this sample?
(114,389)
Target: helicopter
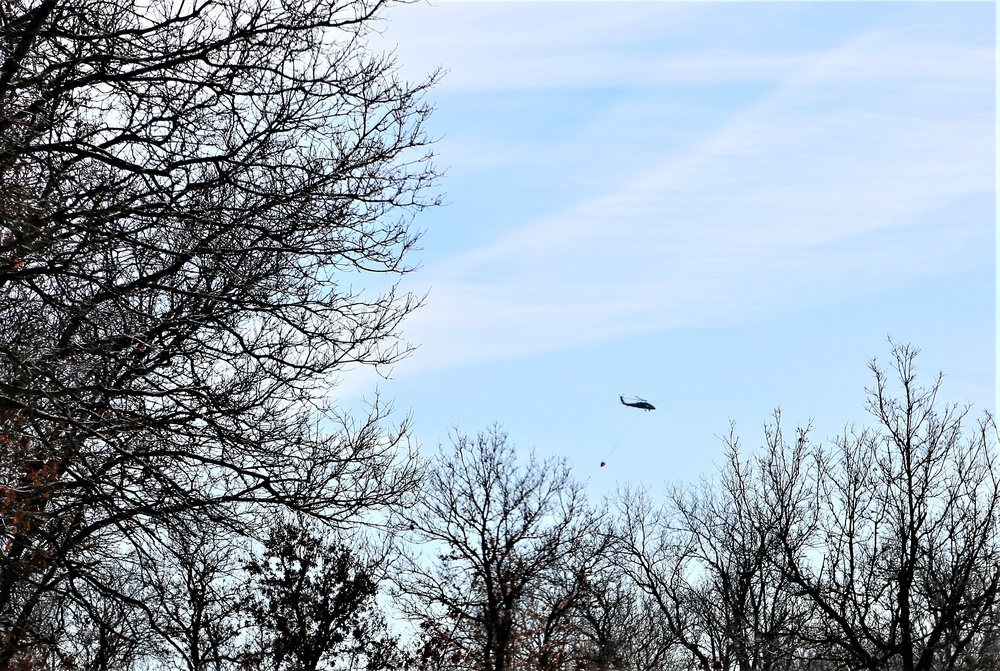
(635,402)
(640,403)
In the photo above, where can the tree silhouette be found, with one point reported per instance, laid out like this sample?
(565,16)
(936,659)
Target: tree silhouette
(893,534)
(503,531)
(192,194)
(877,552)
(313,606)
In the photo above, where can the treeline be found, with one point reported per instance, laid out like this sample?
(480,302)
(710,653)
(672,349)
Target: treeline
(193,194)
(880,550)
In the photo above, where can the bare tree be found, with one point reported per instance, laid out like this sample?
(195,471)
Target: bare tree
(893,534)
(656,554)
(566,621)
(196,594)
(744,606)
(499,529)
(879,552)
(312,605)
(192,191)
(613,625)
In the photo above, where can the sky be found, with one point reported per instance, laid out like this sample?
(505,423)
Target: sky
(723,208)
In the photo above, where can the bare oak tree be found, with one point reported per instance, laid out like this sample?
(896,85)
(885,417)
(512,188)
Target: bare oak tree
(192,193)
(311,605)
(612,625)
(741,609)
(893,534)
(657,555)
(880,551)
(498,529)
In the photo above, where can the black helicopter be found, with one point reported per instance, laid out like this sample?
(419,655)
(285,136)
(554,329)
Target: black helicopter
(640,403)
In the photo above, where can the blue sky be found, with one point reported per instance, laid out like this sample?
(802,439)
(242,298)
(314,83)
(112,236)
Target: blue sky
(720,207)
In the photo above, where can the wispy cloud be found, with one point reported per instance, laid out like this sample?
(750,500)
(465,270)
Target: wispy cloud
(548,48)
(820,187)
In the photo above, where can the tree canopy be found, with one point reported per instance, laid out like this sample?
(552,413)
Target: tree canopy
(193,195)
